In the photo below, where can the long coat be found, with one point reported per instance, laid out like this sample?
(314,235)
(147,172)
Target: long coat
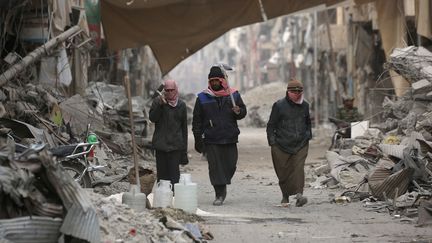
(289,125)
(170,126)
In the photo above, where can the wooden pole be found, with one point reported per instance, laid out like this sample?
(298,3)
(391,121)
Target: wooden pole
(134,147)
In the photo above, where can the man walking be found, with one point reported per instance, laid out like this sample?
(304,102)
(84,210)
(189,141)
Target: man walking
(288,134)
(169,114)
(215,129)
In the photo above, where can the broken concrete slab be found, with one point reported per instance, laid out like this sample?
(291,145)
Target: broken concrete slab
(421,86)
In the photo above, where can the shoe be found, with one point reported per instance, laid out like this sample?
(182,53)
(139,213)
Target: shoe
(218,201)
(301,200)
(285,202)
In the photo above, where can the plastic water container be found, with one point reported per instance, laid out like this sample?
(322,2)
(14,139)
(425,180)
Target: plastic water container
(186,194)
(185,178)
(135,199)
(163,194)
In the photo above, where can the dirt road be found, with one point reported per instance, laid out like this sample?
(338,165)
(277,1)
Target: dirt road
(250,213)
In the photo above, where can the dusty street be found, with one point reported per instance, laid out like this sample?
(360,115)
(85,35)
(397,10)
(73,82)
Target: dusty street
(250,212)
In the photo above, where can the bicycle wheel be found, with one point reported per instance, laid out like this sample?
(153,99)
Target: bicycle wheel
(75,169)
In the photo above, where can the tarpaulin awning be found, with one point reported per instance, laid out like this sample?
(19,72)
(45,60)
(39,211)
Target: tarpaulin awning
(175,29)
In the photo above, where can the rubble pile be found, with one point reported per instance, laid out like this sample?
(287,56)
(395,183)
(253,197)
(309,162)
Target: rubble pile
(36,114)
(413,63)
(35,190)
(39,114)
(39,200)
(64,120)
(39,196)
(119,223)
(390,166)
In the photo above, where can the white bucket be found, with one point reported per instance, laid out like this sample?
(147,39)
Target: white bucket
(185,178)
(186,194)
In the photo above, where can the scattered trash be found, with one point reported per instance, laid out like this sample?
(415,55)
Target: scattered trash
(342,199)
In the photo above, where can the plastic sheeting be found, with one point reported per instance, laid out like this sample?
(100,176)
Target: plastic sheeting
(176,29)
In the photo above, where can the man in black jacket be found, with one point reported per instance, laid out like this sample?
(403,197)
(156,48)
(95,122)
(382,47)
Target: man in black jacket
(215,129)
(288,134)
(169,114)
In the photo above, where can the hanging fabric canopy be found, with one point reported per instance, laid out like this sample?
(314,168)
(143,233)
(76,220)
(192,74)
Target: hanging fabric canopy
(175,29)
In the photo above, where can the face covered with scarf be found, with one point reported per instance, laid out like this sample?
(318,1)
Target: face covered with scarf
(217,83)
(171,92)
(295,91)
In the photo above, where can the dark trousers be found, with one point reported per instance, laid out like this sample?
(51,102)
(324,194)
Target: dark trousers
(222,161)
(167,166)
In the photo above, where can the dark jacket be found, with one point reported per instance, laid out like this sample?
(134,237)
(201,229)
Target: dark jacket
(289,126)
(214,118)
(170,126)
(348,115)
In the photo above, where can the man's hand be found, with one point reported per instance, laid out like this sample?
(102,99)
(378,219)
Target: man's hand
(199,144)
(236,109)
(162,100)
(184,158)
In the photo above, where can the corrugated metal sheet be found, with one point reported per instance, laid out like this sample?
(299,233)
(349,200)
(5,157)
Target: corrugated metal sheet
(33,229)
(83,225)
(81,220)
(398,180)
(47,209)
(393,150)
(379,175)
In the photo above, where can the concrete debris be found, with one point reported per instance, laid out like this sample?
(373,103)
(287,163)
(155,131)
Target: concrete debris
(425,213)
(322,170)
(121,224)
(35,114)
(395,159)
(422,86)
(413,63)
(39,200)
(34,184)
(319,183)
(348,171)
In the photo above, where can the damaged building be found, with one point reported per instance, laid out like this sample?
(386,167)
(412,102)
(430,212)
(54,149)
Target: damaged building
(61,81)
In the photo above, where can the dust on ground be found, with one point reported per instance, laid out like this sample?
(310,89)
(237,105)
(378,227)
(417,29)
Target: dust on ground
(251,214)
